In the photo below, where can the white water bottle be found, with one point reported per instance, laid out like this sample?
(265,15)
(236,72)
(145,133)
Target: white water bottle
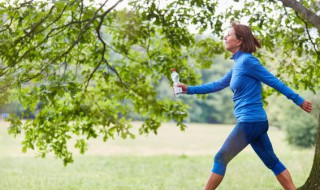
(175,78)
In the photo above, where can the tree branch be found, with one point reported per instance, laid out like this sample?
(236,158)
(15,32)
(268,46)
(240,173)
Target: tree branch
(309,36)
(104,47)
(110,9)
(7,26)
(44,40)
(31,32)
(80,32)
(306,14)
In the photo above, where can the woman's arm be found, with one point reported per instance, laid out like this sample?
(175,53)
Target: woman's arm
(256,70)
(208,88)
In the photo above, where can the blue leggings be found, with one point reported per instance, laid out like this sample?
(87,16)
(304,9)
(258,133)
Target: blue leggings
(244,133)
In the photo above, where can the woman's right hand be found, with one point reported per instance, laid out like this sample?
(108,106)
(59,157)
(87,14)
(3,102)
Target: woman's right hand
(306,106)
(184,88)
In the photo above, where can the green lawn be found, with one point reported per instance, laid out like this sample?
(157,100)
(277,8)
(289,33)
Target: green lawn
(171,160)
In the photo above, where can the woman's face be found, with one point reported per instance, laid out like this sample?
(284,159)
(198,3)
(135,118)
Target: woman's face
(231,42)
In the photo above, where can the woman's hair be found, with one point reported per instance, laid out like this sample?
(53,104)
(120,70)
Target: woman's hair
(244,33)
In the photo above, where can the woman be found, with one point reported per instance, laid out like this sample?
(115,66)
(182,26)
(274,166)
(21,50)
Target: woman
(245,79)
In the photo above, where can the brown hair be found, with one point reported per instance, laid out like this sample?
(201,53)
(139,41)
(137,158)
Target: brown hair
(244,33)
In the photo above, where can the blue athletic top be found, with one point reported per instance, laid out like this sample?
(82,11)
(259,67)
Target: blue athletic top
(245,79)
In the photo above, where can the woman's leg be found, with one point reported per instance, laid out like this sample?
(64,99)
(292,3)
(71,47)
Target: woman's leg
(263,147)
(235,142)
(285,180)
(213,181)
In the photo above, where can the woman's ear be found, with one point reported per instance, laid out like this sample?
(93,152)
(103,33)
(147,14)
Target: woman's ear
(239,42)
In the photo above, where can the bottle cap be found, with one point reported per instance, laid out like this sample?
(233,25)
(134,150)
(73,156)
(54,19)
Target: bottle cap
(173,69)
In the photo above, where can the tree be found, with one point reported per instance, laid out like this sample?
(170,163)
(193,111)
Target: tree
(313,179)
(59,53)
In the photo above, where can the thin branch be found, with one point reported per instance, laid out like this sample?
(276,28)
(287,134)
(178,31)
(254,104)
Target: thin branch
(130,58)
(104,47)
(34,27)
(24,4)
(116,72)
(292,36)
(8,26)
(65,68)
(92,73)
(80,32)
(43,41)
(102,53)
(110,9)
(81,13)
(148,43)
(309,36)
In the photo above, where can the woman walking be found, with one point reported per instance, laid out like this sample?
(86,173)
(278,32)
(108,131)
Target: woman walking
(245,79)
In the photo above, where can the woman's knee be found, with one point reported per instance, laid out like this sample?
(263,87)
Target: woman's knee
(222,157)
(219,168)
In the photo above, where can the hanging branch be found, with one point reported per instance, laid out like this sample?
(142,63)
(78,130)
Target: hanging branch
(104,48)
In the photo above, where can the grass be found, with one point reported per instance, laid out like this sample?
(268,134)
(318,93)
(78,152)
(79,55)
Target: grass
(171,160)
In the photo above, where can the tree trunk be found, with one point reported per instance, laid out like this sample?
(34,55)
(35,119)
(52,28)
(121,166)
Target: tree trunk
(313,181)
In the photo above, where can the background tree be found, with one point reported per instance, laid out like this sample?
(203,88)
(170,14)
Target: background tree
(217,107)
(300,127)
(58,53)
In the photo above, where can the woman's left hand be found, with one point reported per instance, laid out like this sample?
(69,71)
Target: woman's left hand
(184,88)
(306,106)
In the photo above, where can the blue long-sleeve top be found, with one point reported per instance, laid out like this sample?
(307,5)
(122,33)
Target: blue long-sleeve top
(245,79)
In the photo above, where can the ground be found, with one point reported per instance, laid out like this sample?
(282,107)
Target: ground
(170,160)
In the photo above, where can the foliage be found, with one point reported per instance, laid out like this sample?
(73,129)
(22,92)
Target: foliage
(301,128)
(59,53)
